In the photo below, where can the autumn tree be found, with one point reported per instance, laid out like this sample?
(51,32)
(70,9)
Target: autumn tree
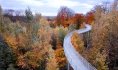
(98,11)
(78,43)
(72,27)
(31,48)
(104,39)
(60,58)
(98,52)
(37,17)
(89,17)
(9,12)
(78,19)
(64,15)
(113,36)
(28,14)
(0,18)
(61,34)
(100,41)
(0,11)
(54,40)
(29,44)
(6,55)
(57,43)
(3,22)
(52,62)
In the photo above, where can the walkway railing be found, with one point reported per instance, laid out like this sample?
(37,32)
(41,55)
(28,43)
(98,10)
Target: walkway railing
(74,58)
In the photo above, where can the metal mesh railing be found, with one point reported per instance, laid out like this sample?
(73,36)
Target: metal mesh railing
(75,59)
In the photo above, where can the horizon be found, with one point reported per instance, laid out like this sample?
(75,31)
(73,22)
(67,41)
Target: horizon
(51,7)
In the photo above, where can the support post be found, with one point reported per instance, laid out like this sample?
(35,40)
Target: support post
(68,66)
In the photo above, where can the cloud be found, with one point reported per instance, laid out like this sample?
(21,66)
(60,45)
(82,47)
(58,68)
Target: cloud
(54,3)
(50,6)
(86,5)
(31,2)
(49,13)
(57,4)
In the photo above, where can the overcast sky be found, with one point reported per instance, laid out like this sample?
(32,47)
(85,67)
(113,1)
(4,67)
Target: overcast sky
(51,7)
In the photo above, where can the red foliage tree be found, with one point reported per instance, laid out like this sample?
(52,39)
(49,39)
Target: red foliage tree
(78,19)
(64,15)
(89,17)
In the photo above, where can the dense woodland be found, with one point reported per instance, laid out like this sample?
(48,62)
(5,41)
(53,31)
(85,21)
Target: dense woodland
(35,42)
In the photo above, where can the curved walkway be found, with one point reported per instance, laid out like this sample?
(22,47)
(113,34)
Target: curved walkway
(74,58)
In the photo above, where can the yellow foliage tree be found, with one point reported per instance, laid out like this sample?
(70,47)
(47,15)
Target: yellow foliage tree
(60,57)
(30,44)
(77,42)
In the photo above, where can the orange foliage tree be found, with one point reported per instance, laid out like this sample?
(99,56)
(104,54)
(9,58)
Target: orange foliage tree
(31,45)
(89,17)
(77,42)
(60,57)
(64,15)
(78,19)
(57,43)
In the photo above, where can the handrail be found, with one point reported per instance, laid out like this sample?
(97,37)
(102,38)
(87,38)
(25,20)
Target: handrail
(75,59)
